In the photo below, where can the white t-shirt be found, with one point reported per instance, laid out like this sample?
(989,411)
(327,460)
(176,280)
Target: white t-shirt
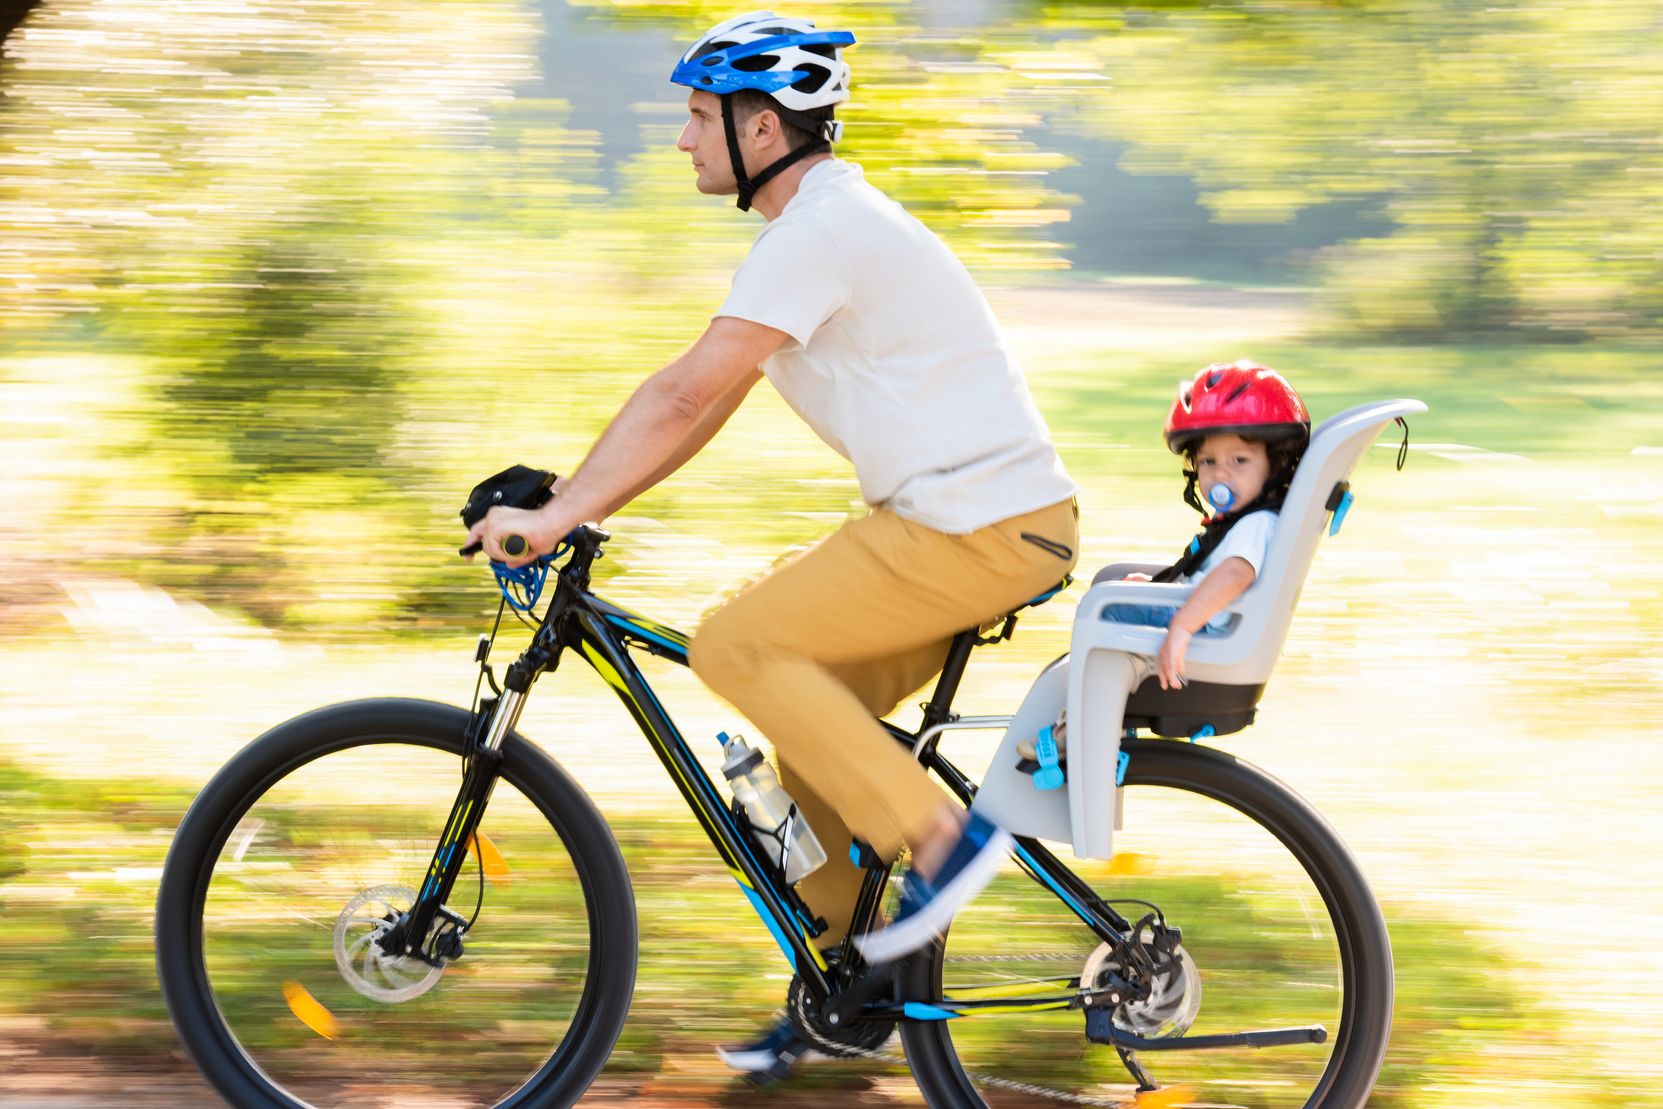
(1248,539)
(895,358)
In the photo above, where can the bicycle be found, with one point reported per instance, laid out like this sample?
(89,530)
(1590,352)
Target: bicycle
(309,952)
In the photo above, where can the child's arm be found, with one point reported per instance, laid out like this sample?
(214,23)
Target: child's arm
(1223,584)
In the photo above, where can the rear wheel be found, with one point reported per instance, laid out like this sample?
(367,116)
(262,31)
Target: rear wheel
(1278,930)
(308,846)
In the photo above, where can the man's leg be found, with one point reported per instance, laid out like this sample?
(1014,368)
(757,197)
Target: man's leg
(880,685)
(880,586)
(825,642)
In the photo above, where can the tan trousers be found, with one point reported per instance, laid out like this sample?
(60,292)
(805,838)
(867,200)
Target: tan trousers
(838,635)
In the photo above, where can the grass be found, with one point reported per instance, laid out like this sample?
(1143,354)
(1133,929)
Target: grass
(82,858)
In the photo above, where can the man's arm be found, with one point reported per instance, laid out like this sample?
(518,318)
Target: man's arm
(698,437)
(665,422)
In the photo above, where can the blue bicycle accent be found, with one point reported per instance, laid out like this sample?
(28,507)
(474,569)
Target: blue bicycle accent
(1339,514)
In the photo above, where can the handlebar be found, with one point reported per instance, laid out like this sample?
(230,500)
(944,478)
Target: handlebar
(514,546)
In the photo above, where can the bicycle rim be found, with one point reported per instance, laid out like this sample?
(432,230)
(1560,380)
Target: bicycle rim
(1278,931)
(301,1004)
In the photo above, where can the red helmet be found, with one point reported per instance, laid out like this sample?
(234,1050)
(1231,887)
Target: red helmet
(1240,397)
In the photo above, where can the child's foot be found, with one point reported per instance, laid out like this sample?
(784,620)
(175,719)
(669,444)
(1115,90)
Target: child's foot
(927,904)
(1029,748)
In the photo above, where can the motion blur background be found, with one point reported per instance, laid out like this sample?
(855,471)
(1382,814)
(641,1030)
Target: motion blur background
(280,281)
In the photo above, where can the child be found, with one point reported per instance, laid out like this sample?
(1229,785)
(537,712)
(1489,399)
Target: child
(1242,429)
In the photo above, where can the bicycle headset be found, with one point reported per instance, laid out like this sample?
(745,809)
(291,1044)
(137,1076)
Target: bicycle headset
(787,59)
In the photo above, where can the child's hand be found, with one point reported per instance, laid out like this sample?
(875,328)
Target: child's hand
(1136,576)
(1171,658)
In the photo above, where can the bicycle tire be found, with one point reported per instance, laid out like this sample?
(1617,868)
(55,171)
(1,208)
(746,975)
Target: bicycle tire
(1358,935)
(371,728)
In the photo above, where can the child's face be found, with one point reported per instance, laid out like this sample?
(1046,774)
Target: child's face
(1242,465)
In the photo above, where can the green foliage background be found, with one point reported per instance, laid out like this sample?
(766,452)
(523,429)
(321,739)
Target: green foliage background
(356,259)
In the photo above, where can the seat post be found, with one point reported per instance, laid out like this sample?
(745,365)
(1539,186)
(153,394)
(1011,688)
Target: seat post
(939,709)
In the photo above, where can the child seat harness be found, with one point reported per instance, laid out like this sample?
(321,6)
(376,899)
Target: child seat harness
(1270,498)
(1215,528)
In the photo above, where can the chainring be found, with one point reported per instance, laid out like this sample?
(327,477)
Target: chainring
(859,1039)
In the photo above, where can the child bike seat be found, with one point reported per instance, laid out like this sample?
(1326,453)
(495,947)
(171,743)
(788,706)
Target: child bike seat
(1110,682)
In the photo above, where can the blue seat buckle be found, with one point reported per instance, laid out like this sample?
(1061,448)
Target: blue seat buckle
(1049,775)
(1339,513)
(1205,731)
(1120,766)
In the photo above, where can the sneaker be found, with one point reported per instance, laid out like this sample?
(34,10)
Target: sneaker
(927,906)
(772,1056)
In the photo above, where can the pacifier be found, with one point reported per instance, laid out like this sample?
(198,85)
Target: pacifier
(1221,497)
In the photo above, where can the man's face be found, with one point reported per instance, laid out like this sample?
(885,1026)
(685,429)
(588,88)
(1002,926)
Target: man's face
(706,140)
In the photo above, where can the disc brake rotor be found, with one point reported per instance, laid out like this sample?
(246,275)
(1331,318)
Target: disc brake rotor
(1174,988)
(367,968)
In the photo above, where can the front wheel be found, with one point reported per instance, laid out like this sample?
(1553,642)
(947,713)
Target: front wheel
(1278,931)
(311,842)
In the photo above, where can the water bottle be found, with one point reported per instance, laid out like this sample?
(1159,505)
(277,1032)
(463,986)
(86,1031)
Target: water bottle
(776,825)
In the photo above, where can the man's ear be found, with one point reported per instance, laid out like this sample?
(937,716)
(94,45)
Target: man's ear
(765,126)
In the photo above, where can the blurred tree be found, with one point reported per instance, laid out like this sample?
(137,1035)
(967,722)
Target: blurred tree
(941,122)
(1515,148)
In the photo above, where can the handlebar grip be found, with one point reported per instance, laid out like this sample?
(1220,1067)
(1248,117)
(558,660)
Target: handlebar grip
(515,546)
(471,548)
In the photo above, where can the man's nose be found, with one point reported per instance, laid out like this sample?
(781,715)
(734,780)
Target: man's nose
(681,141)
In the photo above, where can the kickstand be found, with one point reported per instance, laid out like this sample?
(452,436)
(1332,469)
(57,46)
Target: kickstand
(1146,1081)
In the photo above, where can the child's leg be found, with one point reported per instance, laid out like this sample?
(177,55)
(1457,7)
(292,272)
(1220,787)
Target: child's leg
(1149,616)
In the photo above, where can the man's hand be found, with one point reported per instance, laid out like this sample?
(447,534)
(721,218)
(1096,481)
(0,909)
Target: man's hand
(542,529)
(1171,657)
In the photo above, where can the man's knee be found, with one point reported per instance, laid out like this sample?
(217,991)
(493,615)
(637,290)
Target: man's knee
(717,653)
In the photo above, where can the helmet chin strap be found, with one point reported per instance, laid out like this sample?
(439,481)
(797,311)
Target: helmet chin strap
(748,186)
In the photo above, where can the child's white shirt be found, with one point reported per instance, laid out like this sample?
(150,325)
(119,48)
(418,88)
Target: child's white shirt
(1249,540)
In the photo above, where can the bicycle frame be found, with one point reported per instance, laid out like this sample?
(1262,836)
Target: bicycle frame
(602,634)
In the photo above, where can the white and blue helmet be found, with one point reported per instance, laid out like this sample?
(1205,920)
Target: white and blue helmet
(787,59)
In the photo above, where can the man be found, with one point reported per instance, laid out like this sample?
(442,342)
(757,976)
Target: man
(876,335)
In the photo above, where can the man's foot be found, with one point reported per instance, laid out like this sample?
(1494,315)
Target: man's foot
(771,1056)
(927,904)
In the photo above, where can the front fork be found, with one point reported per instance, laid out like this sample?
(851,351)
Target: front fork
(482,760)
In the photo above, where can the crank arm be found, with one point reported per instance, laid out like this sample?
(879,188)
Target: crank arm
(844,1007)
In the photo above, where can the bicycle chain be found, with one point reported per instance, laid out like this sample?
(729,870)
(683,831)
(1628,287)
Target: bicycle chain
(835,1050)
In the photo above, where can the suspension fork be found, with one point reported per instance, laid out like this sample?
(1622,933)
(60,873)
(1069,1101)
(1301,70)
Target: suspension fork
(482,762)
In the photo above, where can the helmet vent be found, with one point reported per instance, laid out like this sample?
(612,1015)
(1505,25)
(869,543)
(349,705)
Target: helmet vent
(813,77)
(1236,392)
(756,63)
